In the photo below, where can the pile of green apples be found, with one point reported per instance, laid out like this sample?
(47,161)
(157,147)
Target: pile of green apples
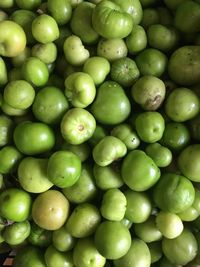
(100,132)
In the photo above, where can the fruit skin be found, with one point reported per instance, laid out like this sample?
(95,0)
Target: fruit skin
(183,65)
(63,168)
(12,38)
(173,193)
(16,233)
(77,126)
(112,239)
(80,89)
(137,256)
(182,249)
(107,112)
(81,23)
(110,21)
(108,149)
(32,138)
(85,251)
(15,204)
(45,23)
(32,175)
(60,10)
(50,210)
(29,256)
(137,165)
(188,162)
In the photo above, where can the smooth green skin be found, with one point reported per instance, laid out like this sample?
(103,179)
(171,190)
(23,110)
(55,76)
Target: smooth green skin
(193,211)
(107,112)
(148,230)
(156,33)
(138,207)
(132,7)
(183,66)
(137,256)
(85,254)
(39,237)
(30,4)
(182,249)
(187,17)
(75,3)
(84,189)
(19,59)
(24,18)
(149,92)
(127,135)
(55,258)
(108,13)
(161,155)
(35,71)
(112,239)
(16,233)
(6,129)
(45,52)
(137,165)
(50,210)
(136,41)
(182,104)
(15,204)
(80,89)
(112,49)
(124,71)
(61,11)
(150,126)
(19,94)
(8,110)
(9,159)
(32,138)
(155,251)
(188,162)
(126,222)
(83,220)
(50,105)
(29,256)
(12,38)
(98,134)
(151,61)
(82,150)
(72,47)
(81,23)
(164,262)
(107,177)
(113,205)
(109,149)
(32,175)
(45,23)
(169,224)
(7,4)
(176,136)
(173,193)
(3,72)
(150,17)
(77,126)
(98,68)
(63,168)
(62,240)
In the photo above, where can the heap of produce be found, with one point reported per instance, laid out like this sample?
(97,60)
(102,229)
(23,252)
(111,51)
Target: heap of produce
(100,132)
